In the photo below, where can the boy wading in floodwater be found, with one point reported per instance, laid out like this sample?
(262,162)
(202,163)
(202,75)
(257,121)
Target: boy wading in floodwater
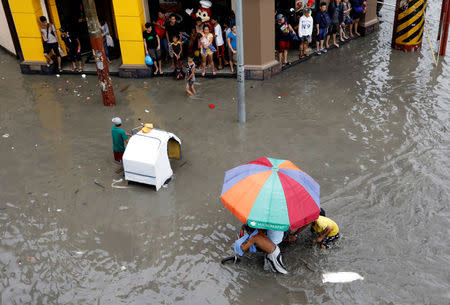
(190,75)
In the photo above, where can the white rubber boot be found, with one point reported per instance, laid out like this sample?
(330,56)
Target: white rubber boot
(276,262)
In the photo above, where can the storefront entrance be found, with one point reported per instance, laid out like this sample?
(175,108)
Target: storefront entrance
(72,17)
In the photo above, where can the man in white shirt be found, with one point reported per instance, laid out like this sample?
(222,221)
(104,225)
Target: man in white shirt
(48,33)
(305,28)
(219,43)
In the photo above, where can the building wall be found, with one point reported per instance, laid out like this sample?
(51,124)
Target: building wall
(130,22)
(26,16)
(5,36)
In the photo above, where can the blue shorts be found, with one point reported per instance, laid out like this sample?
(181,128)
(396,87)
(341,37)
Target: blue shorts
(322,33)
(164,45)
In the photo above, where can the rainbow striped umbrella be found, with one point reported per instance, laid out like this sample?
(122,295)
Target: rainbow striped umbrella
(271,194)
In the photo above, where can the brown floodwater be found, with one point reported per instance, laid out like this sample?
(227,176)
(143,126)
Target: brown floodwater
(369,124)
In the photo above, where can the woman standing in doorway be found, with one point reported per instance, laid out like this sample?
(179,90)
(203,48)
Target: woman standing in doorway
(105,33)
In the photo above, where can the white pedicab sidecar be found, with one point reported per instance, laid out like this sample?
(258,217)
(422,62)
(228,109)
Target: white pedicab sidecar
(146,157)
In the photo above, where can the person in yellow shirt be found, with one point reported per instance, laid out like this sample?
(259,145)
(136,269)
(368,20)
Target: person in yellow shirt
(328,230)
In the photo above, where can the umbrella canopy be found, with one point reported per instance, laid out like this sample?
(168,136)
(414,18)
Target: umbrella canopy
(271,194)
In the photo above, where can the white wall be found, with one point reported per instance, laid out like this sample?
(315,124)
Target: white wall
(146,11)
(5,36)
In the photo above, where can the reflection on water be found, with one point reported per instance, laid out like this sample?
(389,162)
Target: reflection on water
(369,124)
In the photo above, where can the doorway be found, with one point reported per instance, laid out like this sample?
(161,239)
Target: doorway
(72,17)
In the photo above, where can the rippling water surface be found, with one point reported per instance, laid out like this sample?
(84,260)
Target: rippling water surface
(370,124)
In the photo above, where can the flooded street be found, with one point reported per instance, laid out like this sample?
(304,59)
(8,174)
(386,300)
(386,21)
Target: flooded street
(369,124)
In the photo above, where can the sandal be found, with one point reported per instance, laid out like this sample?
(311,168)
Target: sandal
(60,70)
(203,73)
(214,73)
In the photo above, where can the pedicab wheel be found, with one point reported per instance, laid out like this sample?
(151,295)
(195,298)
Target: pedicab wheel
(233,259)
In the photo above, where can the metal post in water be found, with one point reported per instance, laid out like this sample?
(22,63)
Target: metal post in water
(240,62)
(98,51)
(408,25)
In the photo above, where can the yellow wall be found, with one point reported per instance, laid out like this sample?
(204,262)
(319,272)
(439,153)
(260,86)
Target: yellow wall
(26,15)
(130,20)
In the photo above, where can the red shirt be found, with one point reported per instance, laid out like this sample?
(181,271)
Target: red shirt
(161,33)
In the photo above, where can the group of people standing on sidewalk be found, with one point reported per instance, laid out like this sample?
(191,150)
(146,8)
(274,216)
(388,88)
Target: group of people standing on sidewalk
(208,43)
(203,44)
(70,37)
(339,17)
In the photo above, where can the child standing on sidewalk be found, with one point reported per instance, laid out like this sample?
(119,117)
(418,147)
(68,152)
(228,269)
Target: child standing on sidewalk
(322,23)
(305,28)
(177,51)
(190,75)
(231,39)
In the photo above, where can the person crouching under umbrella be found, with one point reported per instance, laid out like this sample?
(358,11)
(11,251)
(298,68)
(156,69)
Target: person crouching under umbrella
(255,238)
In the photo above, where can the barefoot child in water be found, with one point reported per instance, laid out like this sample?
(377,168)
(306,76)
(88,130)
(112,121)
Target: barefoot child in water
(190,76)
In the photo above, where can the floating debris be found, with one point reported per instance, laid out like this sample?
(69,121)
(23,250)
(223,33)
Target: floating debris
(146,110)
(124,88)
(57,75)
(123,208)
(123,268)
(341,277)
(83,75)
(98,184)
(6,135)
(212,106)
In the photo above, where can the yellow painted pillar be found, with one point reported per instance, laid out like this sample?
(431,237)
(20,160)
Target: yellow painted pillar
(26,19)
(130,22)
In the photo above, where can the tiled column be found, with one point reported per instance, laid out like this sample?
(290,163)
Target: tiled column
(26,19)
(130,20)
(259,39)
(369,21)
